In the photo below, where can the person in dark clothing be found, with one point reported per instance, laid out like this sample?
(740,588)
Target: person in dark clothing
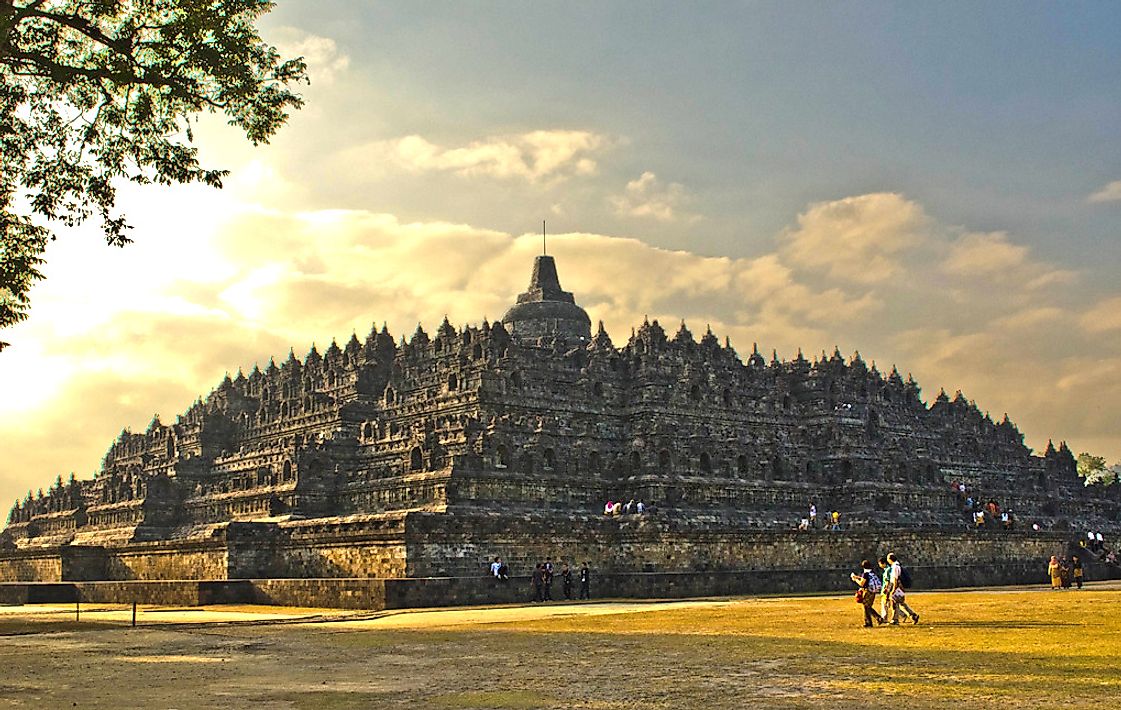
(547,570)
(1076,569)
(566,581)
(538,580)
(585,581)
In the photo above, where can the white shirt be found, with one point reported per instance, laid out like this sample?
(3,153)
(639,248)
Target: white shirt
(896,571)
(494,567)
(813,511)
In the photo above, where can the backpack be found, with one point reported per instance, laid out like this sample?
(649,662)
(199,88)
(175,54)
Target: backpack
(873,585)
(904,577)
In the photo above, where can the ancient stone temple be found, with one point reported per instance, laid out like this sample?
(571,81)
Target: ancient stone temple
(427,456)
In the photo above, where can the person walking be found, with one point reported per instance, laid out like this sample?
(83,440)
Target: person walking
(1053,573)
(566,581)
(1064,573)
(899,592)
(1076,569)
(585,581)
(538,581)
(547,571)
(887,607)
(868,583)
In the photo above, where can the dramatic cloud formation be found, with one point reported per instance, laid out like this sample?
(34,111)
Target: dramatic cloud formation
(170,316)
(646,196)
(1110,193)
(532,156)
(860,239)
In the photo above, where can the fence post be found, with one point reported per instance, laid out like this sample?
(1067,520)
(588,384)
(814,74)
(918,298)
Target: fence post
(77,604)
(134,613)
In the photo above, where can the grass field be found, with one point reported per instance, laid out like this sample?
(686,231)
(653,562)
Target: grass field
(1006,649)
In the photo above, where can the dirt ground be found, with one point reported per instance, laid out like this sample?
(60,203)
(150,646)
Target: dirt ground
(994,648)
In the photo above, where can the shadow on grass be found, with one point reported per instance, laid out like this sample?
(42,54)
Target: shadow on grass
(1002,624)
(40,626)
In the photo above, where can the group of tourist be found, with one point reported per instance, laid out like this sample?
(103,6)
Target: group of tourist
(990,512)
(1094,543)
(1065,574)
(833,519)
(541,580)
(499,569)
(982,514)
(1070,574)
(889,587)
(631,507)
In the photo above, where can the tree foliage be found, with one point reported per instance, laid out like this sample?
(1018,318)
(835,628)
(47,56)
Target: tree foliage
(1093,470)
(97,91)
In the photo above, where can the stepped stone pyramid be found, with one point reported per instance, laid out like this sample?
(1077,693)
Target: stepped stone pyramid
(434,449)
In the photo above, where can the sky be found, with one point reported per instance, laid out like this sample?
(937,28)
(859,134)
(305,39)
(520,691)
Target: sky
(937,186)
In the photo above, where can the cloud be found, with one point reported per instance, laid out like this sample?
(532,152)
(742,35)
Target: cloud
(985,255)
(1033,318)
(325,61)
(71,431)
(994,256)
(857,239)
(533,156)
(1103,317)
(646,196)
(1111,192)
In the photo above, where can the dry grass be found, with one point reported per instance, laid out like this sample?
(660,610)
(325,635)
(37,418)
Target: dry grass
(975,649)
(1008,649)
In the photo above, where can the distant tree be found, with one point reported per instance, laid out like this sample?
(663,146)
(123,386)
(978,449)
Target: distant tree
(95,91)
(1094,471)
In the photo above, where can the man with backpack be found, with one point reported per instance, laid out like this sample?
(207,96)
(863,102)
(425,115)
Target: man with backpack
(901,580)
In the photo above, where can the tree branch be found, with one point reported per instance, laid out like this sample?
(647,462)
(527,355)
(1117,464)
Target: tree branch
(85,27)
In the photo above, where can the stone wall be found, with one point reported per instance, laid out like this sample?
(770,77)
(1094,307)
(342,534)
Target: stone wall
(320,593)
(310,593)
(460,591)
(156,561)
(37,566)
(358,546)
(377,594)
(463,545)
(444,556)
